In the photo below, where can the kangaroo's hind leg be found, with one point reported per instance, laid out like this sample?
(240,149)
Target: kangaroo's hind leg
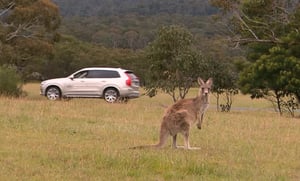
(186,135)
(187,143)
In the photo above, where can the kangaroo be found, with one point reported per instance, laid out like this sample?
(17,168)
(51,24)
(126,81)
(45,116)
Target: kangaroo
(180,116)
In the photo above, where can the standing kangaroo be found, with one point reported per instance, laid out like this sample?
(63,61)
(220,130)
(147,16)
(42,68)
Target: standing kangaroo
(179,117)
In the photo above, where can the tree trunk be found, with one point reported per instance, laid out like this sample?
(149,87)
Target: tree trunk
(278,102)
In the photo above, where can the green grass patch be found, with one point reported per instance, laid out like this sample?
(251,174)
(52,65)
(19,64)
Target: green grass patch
(88,139)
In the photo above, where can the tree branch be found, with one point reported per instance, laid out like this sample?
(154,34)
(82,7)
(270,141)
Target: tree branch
(9,7)
(256,29)
(23,30)
(18,32)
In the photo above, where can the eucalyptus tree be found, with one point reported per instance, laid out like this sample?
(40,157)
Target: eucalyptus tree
(27,32)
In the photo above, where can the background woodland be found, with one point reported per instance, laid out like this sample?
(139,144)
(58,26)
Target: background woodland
(252,46)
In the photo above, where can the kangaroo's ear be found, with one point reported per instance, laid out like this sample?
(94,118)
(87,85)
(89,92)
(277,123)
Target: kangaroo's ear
(209,81)
(200,81)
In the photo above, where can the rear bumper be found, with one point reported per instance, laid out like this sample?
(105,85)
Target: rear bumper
(130,94)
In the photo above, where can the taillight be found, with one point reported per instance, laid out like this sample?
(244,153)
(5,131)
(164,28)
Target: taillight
(128,81)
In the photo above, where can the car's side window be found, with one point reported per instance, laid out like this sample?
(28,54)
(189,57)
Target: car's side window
(93,74)
(110,74)
(82,74)
(103,74)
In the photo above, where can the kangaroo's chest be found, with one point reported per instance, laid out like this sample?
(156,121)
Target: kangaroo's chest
(203,108)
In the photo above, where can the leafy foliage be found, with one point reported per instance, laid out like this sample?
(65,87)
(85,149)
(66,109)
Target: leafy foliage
(71,54)
(10,82)
(140,7)
(132,23)
(27,32)
(225,81)
(173,63)
(262,21)
(276,72)
(270,30)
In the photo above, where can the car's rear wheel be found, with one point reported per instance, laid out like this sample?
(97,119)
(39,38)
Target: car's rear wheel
(53,93)
(111,95)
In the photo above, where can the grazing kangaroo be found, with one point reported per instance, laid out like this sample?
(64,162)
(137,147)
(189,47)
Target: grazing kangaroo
(179,117)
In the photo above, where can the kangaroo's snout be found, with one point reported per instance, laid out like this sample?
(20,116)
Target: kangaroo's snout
(205,91)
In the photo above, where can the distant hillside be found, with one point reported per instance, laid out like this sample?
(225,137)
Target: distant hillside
(132,23)
(141,7)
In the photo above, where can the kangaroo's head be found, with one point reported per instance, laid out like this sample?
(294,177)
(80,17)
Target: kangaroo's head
(204,87)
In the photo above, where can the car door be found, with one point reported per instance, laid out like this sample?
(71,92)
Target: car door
(99,79)
(94,82)
(77,85)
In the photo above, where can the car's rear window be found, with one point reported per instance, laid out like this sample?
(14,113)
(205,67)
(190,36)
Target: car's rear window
(131,75)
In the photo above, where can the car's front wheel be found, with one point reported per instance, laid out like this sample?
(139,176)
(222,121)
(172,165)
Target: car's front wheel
(111,95)
(53,93)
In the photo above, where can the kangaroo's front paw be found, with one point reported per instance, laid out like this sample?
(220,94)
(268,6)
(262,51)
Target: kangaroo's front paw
(198,126)
(194,148)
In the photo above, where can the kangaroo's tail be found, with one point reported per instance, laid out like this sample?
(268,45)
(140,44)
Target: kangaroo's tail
(164,133)
(144,147)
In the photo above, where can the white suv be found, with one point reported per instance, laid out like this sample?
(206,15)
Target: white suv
(112,84)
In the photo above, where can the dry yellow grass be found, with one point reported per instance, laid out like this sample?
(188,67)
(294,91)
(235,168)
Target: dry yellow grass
(88,139)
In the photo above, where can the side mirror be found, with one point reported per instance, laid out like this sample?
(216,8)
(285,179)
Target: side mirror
(71,77)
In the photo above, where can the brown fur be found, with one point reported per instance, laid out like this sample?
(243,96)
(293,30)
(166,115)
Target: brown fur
(179,117)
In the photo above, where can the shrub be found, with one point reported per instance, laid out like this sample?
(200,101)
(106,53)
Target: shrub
(10,82)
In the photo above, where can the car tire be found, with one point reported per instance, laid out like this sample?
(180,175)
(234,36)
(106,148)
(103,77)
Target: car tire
(53,93)
(111,95)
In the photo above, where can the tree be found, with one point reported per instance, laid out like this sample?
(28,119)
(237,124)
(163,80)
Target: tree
(10,82)
(27,32)
(221,63)
(273,76)
(173,62)
(225,82)
(270,31)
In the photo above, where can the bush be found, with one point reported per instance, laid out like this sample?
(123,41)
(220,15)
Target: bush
(10,82)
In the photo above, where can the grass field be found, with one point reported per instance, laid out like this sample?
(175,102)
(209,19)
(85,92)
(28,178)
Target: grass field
(88,139)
